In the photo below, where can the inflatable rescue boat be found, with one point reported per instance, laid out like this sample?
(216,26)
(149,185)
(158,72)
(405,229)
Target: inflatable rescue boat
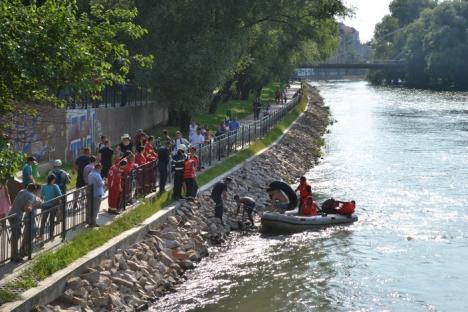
(291,222)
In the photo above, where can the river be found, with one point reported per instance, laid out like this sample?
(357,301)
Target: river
(403,156)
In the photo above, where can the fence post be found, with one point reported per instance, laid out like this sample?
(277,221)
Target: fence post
(64,215)
(30,225)
(228,145)
(219,150)
(210,154)
(124,192)
(242,141)
(89,200)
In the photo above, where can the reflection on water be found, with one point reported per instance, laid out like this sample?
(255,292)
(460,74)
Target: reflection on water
(402,155)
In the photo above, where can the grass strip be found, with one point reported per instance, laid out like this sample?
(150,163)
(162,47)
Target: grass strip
(49,262)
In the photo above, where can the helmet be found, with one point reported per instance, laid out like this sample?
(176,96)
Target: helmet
(57,163)
(182,147)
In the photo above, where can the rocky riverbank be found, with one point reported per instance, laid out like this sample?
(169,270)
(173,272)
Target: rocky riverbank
(148,269)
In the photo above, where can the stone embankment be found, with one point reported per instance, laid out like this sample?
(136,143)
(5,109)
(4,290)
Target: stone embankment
(140,274)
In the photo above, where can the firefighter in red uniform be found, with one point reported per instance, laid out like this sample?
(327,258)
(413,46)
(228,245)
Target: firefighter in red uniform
(190,176)
(149,152)
(115,186)
(305,191)
(140,158)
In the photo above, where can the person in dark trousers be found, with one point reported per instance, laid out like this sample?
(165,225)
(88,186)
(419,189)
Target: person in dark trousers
(218,194)
(249,206)
(80,163)
(49,192)
(62,178)
(105,156)
(164,157)
(27,172)
(25,201)
(178,165)
(96,181)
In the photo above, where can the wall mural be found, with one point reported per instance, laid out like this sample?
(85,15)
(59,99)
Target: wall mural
(81,131)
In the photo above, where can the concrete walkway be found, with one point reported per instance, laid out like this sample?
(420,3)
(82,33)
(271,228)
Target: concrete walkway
(10,271)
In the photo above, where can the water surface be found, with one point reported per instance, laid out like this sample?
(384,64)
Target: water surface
(403,156)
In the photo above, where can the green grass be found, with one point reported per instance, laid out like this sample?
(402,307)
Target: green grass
(238,109)
(271,137)
(49,262)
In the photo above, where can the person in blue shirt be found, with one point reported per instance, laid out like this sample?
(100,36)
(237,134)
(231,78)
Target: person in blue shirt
(28,172)
(96,181)
(233,124)
(49,193)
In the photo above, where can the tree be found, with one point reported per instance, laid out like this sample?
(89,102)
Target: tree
(48,47)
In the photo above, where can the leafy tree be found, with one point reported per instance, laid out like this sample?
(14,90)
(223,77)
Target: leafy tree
(47,47)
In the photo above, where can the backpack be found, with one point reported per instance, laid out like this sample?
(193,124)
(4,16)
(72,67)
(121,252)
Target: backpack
(61,177)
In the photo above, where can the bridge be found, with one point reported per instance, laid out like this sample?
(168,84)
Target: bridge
(378,64)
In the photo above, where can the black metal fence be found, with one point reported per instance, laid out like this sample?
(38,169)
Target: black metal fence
(24,233)
(112,96)
(29,232)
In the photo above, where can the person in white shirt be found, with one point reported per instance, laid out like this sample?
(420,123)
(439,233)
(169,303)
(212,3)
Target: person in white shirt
(198,138)
(192,129)
(178,141)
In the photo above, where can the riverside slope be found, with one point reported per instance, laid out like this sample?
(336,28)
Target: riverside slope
(151,268)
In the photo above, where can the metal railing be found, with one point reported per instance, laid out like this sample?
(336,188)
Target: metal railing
(24,233)
(28,233)
(111,96)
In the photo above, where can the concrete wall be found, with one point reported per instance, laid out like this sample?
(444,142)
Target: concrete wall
(60,133)
(128,120)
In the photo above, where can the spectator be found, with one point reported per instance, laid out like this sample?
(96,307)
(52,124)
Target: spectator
(25,201)
(49,208)
(5,203)
(95,179)
(204,130)
(267,110)
(105,156)
(149,152)
(179,141)
(80,163)
(140,138)
(257,106)
(164,157)
(192,129)
(89,167)
(178,165)
(220,130)
(233,124)
(102,143)
(116,187)
(226,127)
(140,158)
(198,138)
(62,178)
(28,171)
(126,144)
(167,137)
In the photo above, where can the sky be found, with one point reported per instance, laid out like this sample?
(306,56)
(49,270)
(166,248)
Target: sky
(367,13)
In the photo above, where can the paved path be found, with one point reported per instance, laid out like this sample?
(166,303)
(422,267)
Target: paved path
(10,270)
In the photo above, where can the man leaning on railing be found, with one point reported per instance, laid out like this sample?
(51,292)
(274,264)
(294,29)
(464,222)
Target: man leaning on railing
(26,200)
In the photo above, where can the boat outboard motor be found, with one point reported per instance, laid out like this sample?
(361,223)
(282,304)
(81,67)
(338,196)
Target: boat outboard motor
(279,185)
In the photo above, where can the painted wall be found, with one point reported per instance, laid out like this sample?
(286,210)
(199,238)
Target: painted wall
(58,133)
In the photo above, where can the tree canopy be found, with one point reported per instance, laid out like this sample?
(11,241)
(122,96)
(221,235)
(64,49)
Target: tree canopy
(431,38)
(47,47)
(204,51)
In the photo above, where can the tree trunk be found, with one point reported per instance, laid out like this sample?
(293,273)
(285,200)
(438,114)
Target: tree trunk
(184,121)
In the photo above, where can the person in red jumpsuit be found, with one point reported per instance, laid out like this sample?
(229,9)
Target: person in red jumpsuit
(140,158)
(149,152)
(114,183)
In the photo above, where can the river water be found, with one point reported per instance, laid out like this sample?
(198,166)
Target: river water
(403,156)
